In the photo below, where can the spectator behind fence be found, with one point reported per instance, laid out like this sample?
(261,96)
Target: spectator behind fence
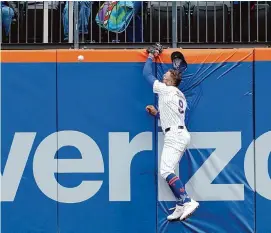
(84,9)
(7,15)
(134,29)
(121,17)
(135,35)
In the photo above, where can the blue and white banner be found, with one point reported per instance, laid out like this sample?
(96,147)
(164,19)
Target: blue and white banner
(80,154)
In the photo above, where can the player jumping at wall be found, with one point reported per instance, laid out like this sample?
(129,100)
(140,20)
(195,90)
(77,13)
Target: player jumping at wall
(172,106)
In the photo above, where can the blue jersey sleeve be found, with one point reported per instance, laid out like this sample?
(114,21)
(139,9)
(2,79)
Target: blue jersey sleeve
(147,71)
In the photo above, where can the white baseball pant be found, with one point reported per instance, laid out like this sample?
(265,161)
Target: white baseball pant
(175,144)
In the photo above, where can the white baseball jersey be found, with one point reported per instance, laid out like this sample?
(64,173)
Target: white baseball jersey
(172,105)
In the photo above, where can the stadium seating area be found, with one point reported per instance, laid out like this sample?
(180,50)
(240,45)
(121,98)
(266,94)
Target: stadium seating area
(196,22)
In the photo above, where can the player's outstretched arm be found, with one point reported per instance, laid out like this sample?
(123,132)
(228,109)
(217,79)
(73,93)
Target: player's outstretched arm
(147,71)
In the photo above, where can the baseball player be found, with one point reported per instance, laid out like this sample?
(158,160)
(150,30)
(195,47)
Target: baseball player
(172,106)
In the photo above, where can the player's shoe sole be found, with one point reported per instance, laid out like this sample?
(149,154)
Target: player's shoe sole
(190,211)
(189,215)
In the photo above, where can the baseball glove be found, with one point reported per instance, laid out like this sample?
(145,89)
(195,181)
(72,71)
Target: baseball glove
(155,48)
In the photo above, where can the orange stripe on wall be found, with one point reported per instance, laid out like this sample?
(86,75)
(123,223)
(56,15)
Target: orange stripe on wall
(193,56)
(262,54)
(33,56)
(113,55)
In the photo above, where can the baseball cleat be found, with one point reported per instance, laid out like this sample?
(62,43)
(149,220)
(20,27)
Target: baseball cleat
(188,209)
(176,214)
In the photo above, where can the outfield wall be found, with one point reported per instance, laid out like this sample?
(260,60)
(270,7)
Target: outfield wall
(80,154)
